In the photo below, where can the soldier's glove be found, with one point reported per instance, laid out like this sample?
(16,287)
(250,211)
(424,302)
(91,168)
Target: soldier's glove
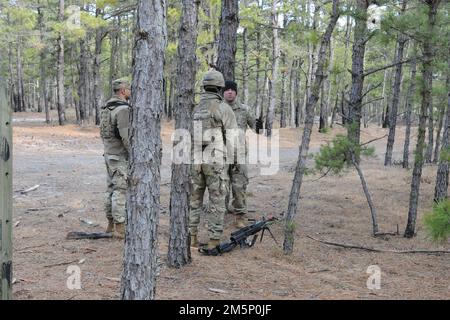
(258,126)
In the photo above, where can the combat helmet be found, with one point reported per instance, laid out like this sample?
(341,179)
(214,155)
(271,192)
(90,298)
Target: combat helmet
(213,78)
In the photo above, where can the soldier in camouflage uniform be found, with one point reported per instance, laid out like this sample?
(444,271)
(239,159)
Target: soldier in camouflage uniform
(114,133)
(213,122)
(239,171)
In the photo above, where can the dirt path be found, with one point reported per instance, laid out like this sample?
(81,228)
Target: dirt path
(67,165)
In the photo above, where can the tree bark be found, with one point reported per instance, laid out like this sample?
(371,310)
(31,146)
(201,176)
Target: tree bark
(143,196)
(437,146)
(440,191)
(179,253)
(274,74)
(83,84)
(97,94)
(61,103)
(229,23)
(373,211)
(289,228)
(245,72)
(21,100)
(283,93)
(427,84)
(401,41)
(408,109)
(359,49)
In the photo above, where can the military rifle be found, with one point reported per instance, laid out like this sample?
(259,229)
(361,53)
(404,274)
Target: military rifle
(244,237)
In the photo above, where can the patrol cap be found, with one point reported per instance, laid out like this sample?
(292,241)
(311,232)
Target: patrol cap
(119,83)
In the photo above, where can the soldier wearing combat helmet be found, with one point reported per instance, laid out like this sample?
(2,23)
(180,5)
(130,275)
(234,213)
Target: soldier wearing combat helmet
(213,123)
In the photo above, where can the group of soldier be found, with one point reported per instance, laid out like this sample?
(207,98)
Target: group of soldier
(219,111)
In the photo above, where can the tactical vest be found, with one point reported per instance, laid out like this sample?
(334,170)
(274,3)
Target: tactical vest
(107,129)
(204,116)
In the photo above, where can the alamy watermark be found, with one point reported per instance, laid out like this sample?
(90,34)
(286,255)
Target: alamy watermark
(236,146)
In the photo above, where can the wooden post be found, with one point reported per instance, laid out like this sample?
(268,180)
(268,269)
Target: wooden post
(5,195)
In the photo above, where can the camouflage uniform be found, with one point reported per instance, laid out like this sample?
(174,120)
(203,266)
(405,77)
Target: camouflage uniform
(114,133)
(239,171)
(216,115)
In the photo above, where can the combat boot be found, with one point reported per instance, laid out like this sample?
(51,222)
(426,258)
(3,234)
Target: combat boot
(110,227)
(240,222)
(212,244)
(119,231)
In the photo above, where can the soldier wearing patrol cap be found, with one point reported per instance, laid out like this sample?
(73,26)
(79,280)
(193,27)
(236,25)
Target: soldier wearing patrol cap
(239,171)
(114,133)
(214,120)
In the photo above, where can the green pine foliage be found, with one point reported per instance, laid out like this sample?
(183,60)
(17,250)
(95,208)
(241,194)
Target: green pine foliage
(437,222)
(333,156)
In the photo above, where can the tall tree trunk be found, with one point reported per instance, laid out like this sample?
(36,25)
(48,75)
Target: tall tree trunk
(274,74)
(437,147)
(401,40)
(298,100)
(292,95)
(114,57)
(258,70)
(245,67)
(429,150)
(440,191)
(427,84)
(61,104)
(83,84)
(43,76)
(144,178)
(289,228)
(283,92)
(179,252)
(408,110)
(229,23)
(98,88)
(21,100)
(356,96)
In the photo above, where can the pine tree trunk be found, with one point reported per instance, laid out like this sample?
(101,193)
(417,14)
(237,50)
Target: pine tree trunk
(298,101)
(359,49)
(427,84)
(83,84)
(440,191)
(229,23)
(144,178)
(61,104)
(113,59)
(274,74)
(373,211)
(429,150)
(258,70)
(97,95)
(401,40)
(21,100)
(283,93)
(408,110)
(292,95)
(289,228)
(437,147)
(245,67)
(179,252)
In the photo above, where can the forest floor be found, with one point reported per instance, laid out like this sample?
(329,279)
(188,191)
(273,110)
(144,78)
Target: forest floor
(67,164)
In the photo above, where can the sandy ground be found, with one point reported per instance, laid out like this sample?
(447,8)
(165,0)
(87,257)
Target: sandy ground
(67,164)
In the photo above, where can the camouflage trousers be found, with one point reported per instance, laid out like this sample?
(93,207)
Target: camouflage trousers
(239,182)
(116,193)
(215,178)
